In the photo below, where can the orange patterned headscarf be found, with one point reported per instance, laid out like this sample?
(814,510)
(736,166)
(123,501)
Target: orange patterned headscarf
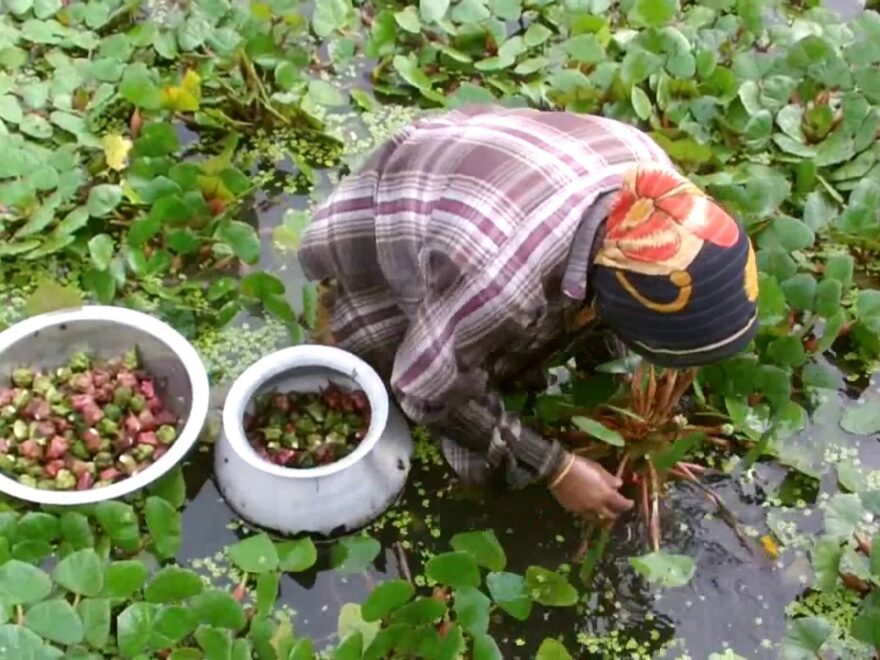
(675,274)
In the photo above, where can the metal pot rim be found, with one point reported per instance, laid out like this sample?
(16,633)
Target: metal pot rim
(290,359)
(189,435)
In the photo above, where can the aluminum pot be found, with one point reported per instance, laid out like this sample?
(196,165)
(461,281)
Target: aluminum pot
(48,340)
(329,499)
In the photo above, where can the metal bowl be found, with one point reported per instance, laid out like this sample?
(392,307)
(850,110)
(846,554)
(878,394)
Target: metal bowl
(48,340)
(328,499)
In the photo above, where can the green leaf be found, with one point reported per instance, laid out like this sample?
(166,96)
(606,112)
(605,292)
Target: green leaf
(787,351)
(863,418)
(120,522)
(598,430)
(35,126)
(172,487)
(218,608)
(330,16)
(50,296)
(242,238)
(173,584)
(422,611)
(549,588)
(214,642)
(10,109)
(536,34)
(76,531)
(267,592)
(38,526)
(21,583)
(667,458)
(354,554)
(123,578)
(453,569)
(800,291)
(828,295)
(804,637)
(826,555)
(508,590)
(95,615)
(483,546)
(663,569)
(866,625)
(433,10)
(256,554)
(840,267)
(408,69)
(875,555)
(472,609)
(138,88)
(791,234)
(585,48)
(323,93)
(134,626)
(350,621)
(408,19)
(101,283)
(55,620)
(351,647)
(81,572)
(101,251)
(842,515)
(552,649)
(172,624)
(652,13)
(297,556)
(103,198)
(385,598)
(640,103)
(485,648)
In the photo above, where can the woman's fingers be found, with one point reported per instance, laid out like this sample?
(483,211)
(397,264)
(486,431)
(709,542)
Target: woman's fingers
(617,502)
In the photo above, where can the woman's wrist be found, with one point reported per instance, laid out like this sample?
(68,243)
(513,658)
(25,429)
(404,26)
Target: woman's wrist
(562,472)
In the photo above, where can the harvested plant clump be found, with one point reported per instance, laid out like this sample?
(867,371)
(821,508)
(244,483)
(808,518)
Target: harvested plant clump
(84,425)
(308,429)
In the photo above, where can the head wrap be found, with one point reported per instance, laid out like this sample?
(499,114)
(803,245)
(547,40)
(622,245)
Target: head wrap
(675,276)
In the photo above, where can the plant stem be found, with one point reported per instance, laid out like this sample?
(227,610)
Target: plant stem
(402,561)
(655,507)
(19,615)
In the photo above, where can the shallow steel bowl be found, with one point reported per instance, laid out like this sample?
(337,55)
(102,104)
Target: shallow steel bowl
(48,340)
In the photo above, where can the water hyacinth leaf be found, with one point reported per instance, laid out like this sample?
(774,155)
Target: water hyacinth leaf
(138,87)
(302,650)
(216,607)
(331,16)
(50,296)
(422,611)
(21,583)
(485,648)
(862,418)
(483,546)
(549,588)
(667,458)
(242,238)
(866,625)
(804,637)
(351,621)
(640,103)
(385,598)
(843,514)
(433,10)
(171,487)
(120,522)
(76,531)
(351,647)
(216,643)
(267,592)
(472,609)
(101,251)
(826,554)
(323,93)
(552,649)
(123,578)
(598,430)
(297,556)
(508,590)
(453,569)
(256,554)
(56,621)
(80,572)
(172,584)
(408,19)
(95,615)
(665,570)
(103,198)
(354,554)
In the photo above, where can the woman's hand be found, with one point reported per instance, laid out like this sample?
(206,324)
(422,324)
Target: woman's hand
(587,487)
